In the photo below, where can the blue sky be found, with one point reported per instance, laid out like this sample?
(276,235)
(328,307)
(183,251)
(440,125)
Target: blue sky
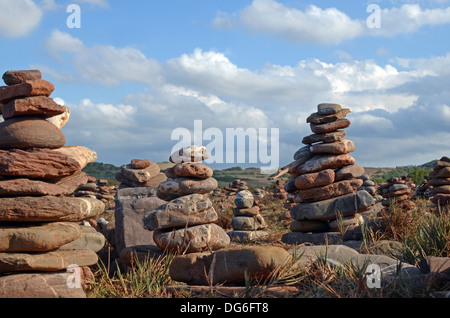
(136,70)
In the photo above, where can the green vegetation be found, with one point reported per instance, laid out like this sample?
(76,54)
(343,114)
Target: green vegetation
(417,173)
(101,170)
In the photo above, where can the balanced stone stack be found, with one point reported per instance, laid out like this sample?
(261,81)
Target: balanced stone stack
(140,173)
(368,185)
(439,180)
(397,190)
(327,179)
(236,186)
(40,232)
(187,222)
(278,191)
(247,223)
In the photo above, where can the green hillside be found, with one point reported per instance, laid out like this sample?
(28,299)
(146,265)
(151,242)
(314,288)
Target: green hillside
(417,173)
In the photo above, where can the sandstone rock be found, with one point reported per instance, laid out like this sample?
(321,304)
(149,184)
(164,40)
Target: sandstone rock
(440,173)
(36,163)
(244,199)
(25,89)
(339,147)
(37,238)
(443,189)
(140,163)
(89,239)
(244,223)
(226,266)
(328,109)
(325,161)
(296,238)
(28,132)
(37,105)
(441,199)
(28,187)
(49,209)
(303,154)
(190,154)
(46,261)
(329,209)
(192,239)
(39,285)
(174,188)
(309,226)
(80,154)
(185,211)
(152,183)
(140,175)
(326,138)
(438,181)
(315,179)
(310,254)
(255,210)
(317,118)
(329,127)
(192,169)
(17,77)
(60,120)
(333,190)
(349,172)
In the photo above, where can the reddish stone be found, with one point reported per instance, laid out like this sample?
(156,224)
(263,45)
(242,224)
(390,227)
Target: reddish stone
(25,89)
(192,169)
(140,163)
(315,179)
(330,191)
(17,77)
(329,127)
(35,105)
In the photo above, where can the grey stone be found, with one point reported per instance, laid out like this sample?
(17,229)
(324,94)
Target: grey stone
(324,238)
(244,199)
(245,223)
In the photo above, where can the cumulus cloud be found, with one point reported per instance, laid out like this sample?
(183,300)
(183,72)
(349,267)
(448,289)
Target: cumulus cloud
(330,26)
(18,18)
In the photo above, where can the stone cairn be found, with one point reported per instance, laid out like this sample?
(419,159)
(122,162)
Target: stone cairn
(326,181)
(135,196)
(247,223)
(397,190)
(439,182)
(235,186)
(278,191)
(186,223)
(44,251)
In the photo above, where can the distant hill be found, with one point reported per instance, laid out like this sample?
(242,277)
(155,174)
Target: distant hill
(417,173)
(108,171)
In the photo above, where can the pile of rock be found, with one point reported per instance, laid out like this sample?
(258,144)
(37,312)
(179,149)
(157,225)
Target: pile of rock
(40,227)
(439,180)
(327,180)
(369,185)
(278,191)
(398,190)
(140,173)
(235,186)
(259,193)
(247,223)
(186,223)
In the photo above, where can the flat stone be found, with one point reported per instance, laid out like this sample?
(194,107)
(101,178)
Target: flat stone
(192,239)
(342,224)
(226,266)
(80,154)
(37,105)
(49,209)
(317,118)
(329,127)
(396,187)
(189,210)
(374,225)
(241,235)
(315,179)
(339,147)
(46,261)
(28,187)
(89,239)
(349,172)
(330,209)
(438,181)
(303,154)
(309,226)
(246,223)
(190,154)
(325,161)
(309,254)
(191,169)
(29,132)
(131,204)
(20,76)
(441,199)
(328,108)
(174,188)
(39,285)
(140,163)
(333,190)
(152,183)
(440,173)
(297,238)
(444,189)
(25,89)
(254,210)
(36,163)
(37,238)
(325,138)
(244,199)
(140,175)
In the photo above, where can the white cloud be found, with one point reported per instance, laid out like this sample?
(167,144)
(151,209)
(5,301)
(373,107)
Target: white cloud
(99,3)
(18,18)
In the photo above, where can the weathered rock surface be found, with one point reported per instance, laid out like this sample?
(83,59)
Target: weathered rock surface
(37,105)
(174,188)
(329,191)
